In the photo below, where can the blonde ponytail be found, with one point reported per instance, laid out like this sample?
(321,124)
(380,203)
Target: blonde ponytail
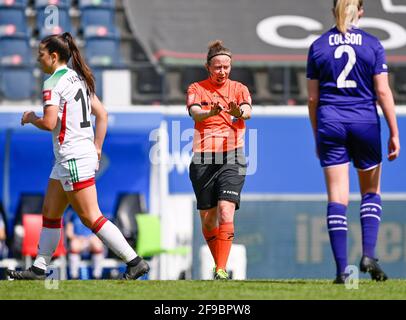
(346,13)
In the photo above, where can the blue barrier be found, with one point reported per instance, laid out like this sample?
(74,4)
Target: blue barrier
(285,157)
(124,167)
(289,239)
(283,239)
(31,160)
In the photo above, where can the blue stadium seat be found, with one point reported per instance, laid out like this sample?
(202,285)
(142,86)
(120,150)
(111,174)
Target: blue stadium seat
(98,16)
(15,51)
(56,27)
(103,52)
(97,3)
(11,30)
(17,83)
(13,3)
(59,3)
(99,21)
(100,32)
(13,22)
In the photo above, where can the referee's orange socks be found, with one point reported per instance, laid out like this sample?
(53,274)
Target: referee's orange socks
(211,239)
(225,240)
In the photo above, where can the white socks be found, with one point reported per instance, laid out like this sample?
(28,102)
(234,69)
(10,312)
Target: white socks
(114,239)
(49,239)
(103,228)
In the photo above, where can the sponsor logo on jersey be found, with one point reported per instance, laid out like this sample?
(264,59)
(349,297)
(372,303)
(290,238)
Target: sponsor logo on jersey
(230,192)
(46,94)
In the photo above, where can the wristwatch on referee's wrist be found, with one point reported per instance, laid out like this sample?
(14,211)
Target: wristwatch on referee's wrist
(241,114)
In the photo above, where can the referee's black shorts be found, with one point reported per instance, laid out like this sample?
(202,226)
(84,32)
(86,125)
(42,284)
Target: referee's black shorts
(217,176)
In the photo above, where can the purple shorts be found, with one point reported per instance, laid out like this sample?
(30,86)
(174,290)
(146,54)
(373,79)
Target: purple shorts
(339,143)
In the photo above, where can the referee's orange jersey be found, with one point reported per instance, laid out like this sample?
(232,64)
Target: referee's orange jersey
(222,132)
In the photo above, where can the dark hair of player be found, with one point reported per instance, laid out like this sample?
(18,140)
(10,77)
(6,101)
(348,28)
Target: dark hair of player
(64,45)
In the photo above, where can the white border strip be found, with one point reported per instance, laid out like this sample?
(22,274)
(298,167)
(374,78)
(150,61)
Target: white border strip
(287,111)
(334,229)
(370,216)
(334,216)
(371,204)
(300,196)
(314,197)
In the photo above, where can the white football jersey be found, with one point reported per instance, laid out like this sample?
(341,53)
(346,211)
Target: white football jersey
(73,136)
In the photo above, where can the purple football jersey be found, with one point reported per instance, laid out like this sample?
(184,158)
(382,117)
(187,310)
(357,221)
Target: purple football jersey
(345,66)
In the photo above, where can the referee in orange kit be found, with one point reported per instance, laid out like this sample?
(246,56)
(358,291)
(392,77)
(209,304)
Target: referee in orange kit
(219,107)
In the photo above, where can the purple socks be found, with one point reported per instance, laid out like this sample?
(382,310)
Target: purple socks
(370,214)
(337,230)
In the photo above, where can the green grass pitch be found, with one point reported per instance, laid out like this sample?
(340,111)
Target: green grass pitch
(296,289)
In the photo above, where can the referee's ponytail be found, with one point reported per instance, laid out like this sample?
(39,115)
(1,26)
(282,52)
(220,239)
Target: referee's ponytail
(216,48)
(66,48)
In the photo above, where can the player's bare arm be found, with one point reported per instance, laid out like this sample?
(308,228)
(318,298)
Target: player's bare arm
(385,100)
(198,114)
(312,102)
(101,115)
(246,111)
(47,122)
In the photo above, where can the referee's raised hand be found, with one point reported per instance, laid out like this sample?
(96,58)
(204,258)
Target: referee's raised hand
(234,109)
(216,109)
